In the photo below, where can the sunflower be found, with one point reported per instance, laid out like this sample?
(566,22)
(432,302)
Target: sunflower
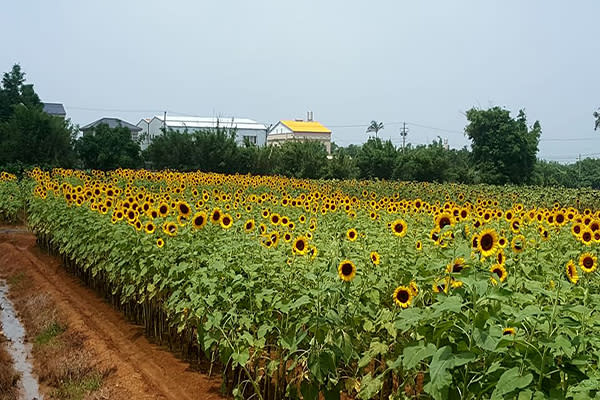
(500,273)
(588,262)
(170,228)
(262,228)
(275,219)
(500,257)
(300,245)
(199,220)
(414,288)
(215,216)
(398,227)
(455,266)
(226,221)
(419,245)
(475,241)
(150,227)
(502,242)
(287,237)
(375,257)
(163,209)
(572,273)
(444,219)
(509,331)
(586,236)
(576,229)
(515,225)
(518,243)
(488,242)
(160,242)
(351,234)
(402,296)
(313,252)
(184,209)
(346,270)
(441,285)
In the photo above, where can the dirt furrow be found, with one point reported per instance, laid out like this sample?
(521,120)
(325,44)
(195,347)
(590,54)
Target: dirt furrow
(142,369)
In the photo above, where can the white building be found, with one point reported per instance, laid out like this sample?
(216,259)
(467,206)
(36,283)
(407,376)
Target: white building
(299,130)
(246,129)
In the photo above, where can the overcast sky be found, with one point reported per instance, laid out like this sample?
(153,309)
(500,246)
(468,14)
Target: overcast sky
(423,62)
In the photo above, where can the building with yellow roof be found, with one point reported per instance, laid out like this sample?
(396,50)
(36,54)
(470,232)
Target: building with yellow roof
(300,130)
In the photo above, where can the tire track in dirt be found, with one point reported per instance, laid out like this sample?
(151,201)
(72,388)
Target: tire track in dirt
(143,370)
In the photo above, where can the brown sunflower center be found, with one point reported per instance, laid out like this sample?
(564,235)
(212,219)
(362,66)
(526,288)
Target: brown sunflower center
(184,209)
(226,220)
(487,242)
(402,296)
(346,269)
(398,228)
(588,262)
(351,234)
(444,221)
(199,220)
(587,237)
(498,272)
(456,268)
(560,218)
(300,245)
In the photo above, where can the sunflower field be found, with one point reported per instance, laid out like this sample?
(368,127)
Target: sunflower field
(342,289)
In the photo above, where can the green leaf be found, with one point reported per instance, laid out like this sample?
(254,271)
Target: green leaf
(510,380)
(370,386)
(240,358)
(451,304)
(415,354)
(439,374)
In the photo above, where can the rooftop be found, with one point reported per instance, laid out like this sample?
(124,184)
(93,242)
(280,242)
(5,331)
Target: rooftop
(305,126)
(179,121)
(112,123)
(54,109)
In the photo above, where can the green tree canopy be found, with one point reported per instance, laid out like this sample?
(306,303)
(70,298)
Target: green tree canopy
(503,148)
(29,136)
(14,91)
(377,159)
(597,122)
(105,149)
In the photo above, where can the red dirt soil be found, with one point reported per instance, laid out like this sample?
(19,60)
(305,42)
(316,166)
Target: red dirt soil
(142,370)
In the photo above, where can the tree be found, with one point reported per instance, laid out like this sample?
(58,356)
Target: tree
(376,159)
(29,136)
(597,116)
(503,148)
(108,148)
(300,159)
(375,127)
(32,137)
(14,91)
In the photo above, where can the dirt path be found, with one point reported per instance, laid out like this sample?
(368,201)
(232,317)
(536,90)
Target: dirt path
(142,369)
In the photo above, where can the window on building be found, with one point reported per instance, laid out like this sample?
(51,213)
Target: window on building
(250,139)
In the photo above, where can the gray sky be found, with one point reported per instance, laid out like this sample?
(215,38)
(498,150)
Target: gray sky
(423,62)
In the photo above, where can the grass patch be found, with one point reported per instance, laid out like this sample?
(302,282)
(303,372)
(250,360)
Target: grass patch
(77,389)
(49,333)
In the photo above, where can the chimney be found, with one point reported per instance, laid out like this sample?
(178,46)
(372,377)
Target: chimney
(309,116)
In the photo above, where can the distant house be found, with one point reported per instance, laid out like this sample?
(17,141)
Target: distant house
(56,109)
(246,129)
(112,123)
(299,130)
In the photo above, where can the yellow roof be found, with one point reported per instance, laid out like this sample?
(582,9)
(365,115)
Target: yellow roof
(305,126)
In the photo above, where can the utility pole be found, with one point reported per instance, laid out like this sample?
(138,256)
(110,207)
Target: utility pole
(404,133)
(165,121)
